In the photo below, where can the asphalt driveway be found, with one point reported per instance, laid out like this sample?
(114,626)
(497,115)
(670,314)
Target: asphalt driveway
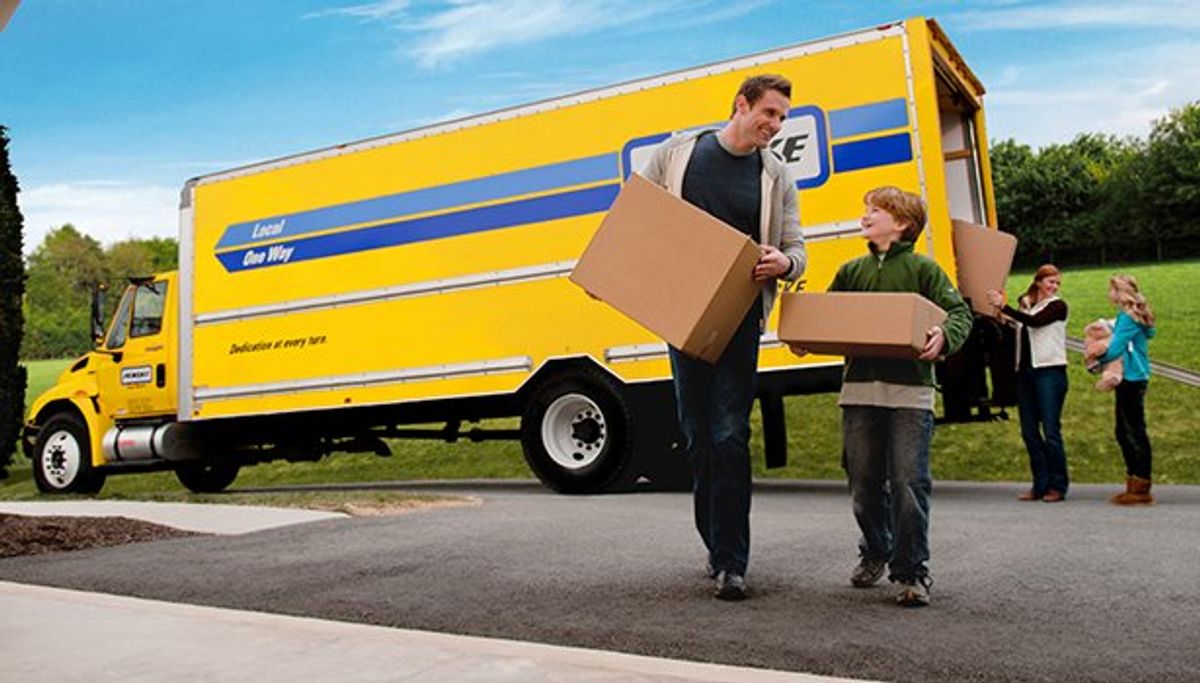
(1023,591)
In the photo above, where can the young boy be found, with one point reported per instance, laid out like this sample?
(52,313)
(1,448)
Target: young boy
(887,404)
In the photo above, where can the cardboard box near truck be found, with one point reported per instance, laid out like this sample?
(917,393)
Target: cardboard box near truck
(984,257)
(674,269)
(871,324)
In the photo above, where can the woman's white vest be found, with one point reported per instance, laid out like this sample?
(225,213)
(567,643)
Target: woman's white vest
(1048,343)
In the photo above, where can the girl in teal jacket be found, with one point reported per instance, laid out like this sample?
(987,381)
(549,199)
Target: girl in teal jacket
(1131,333)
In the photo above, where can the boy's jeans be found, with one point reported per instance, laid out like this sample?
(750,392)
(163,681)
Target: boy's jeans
(1040,396)
(714,403)
(886,455)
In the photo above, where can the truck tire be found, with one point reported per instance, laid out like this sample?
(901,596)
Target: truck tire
(575,431)
(207,477)
(62,459)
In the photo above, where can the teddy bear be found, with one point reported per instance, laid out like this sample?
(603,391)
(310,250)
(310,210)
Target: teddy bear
(1095,344)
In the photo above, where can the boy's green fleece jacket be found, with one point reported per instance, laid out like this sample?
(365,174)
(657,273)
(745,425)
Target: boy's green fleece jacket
(901,270)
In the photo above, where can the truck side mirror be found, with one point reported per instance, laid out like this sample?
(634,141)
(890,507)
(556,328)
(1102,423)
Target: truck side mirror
(98,291)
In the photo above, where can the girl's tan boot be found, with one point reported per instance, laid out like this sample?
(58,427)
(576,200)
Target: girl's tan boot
(1137,492)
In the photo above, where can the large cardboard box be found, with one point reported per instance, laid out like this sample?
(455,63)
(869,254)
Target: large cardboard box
(680,273)
(869,324)
(983,257)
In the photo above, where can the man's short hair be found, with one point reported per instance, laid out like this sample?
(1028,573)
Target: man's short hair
(754,86)
(905,207)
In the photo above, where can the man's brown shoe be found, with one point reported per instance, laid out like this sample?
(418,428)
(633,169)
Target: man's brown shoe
(1053,496)
(1029,495)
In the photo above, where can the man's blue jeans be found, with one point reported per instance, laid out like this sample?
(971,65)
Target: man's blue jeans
(886,455)
(714,403)
(1041,393)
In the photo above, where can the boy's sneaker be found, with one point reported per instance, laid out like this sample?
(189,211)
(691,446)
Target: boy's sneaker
(867,573)
(731,586)
(914,592)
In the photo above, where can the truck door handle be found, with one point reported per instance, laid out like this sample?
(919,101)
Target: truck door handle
(156,347)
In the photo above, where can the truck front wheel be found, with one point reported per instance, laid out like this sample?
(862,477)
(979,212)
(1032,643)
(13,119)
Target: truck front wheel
(575,432)
(63,457)
(207,477)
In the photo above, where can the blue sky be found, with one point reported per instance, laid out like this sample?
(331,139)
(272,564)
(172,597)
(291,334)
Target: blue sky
(112,104)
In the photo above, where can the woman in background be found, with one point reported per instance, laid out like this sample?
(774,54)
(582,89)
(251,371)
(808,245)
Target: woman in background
(1041,380)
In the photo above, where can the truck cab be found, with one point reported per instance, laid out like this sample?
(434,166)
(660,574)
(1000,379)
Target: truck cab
(72,433)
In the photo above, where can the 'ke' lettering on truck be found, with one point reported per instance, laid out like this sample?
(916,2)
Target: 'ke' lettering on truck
(326,300)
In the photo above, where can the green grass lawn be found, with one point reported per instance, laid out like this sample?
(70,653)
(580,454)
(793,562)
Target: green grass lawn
(994,451)
(976,452)
(1170,289)
(42,375)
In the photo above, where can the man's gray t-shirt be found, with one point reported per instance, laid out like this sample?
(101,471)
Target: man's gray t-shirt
(725,185)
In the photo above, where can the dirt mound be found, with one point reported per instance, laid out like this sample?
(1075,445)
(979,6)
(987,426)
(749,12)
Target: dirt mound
(34,535)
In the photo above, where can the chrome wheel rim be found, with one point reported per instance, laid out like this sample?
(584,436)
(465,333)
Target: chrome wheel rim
(574,431)
(62,459)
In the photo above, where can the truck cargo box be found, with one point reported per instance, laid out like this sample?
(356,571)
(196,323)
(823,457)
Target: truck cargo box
(330,300)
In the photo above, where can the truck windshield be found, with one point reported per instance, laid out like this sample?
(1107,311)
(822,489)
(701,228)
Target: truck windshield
(120,324)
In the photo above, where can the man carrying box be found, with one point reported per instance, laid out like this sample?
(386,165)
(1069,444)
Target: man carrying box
(887,403)
(732,174)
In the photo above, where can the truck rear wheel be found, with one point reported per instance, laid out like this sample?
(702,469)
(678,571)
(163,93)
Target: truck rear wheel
(207,477)
(63,457)
(575,431)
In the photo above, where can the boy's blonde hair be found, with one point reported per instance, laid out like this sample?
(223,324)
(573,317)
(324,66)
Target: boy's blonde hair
(1131,300)
(905,207)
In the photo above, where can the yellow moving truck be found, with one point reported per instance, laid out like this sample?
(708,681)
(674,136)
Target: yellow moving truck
(326,300)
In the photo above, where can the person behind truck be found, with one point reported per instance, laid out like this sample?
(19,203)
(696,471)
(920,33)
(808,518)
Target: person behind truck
(1131,335)
(732,174)
(887,403)
(1041,380)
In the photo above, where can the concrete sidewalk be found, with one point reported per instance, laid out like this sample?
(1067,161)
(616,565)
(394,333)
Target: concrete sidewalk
(209,519)
(50,634)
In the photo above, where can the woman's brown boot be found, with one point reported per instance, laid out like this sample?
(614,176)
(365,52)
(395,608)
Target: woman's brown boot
(1137,492)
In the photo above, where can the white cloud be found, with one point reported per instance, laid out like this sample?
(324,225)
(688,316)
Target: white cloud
(471,27)
(1008,76)
(109,211)
(451,115)
(1119,93)
(1172,14)
(386,9)
(459,29)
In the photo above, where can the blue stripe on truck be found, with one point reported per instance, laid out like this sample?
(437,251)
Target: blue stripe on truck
(520,212)
(287,238)
(490,188)
(889,149)
(868,118)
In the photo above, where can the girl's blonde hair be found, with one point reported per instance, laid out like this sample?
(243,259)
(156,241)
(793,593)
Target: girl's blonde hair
(1130,299)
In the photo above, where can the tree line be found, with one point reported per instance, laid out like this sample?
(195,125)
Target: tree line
(61,274)
(1096,199)
(1099,198)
